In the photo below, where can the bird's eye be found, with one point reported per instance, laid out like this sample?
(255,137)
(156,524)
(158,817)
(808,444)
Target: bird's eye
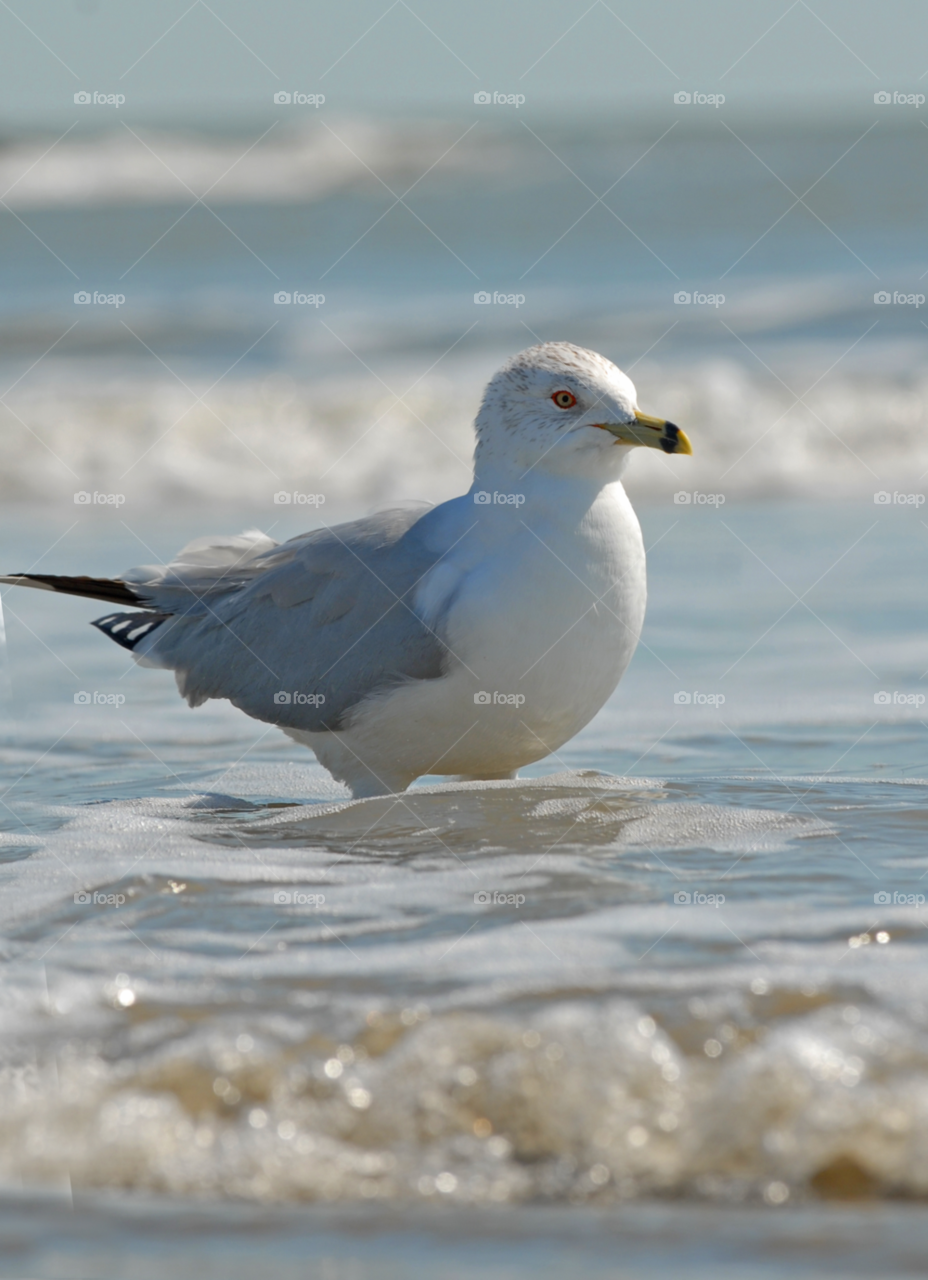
(564,399)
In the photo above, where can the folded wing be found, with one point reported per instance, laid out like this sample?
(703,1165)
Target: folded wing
(295,633)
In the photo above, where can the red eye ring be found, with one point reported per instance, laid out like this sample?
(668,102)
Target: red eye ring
(564,399)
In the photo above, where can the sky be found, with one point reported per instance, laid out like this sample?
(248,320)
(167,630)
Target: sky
(220,62)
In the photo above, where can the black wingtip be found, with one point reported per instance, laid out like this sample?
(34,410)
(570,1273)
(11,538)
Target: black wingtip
(109,589)
(128,629)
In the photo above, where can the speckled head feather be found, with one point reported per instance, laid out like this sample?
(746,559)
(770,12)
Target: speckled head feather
(519,423)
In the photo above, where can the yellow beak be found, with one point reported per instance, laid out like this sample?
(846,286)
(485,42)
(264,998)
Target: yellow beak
(654,433)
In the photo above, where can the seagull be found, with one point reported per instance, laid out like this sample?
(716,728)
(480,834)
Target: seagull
(465,640)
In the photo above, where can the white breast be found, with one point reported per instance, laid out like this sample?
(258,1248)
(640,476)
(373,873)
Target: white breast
(544,616)
(557,619)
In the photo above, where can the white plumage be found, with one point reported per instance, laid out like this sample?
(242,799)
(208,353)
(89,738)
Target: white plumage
(467,639)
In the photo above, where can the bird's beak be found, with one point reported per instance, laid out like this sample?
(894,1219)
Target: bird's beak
(655,433)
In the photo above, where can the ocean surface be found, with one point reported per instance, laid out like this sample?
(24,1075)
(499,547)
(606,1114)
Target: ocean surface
(658,1007)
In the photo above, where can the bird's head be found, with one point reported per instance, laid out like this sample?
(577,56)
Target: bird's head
(566,410)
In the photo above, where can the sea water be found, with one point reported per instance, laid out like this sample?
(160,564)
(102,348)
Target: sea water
(685,957)
(657,1006)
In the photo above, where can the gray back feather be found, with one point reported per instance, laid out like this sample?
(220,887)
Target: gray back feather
(297,633)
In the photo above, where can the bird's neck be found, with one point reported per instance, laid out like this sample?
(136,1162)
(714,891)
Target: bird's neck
(535,490)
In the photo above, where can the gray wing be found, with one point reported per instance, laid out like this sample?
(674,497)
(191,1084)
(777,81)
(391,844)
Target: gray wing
(296,633)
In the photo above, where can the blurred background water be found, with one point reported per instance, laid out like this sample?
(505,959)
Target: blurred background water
(195,384)
(660,1006)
